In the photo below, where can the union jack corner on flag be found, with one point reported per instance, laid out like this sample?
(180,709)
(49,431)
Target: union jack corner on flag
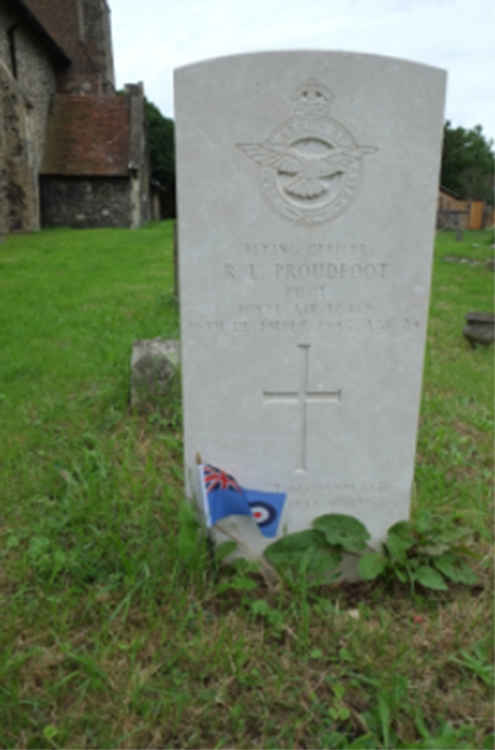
(222,496)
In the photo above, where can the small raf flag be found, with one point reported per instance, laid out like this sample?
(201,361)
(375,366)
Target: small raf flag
(223,496)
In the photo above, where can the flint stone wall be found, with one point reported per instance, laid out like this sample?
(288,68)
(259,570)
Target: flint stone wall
(140,170)
(85,202)
(24,105)
(18,187)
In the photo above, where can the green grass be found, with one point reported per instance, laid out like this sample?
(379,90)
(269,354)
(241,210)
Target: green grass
(119,630)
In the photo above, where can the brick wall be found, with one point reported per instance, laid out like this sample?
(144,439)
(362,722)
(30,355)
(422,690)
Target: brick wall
(23,115)
(88,135)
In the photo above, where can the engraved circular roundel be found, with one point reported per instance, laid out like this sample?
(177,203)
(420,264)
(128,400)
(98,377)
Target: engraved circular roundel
(311,165)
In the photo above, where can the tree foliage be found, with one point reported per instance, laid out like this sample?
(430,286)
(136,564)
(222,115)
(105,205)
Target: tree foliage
(160,131)
(468,162)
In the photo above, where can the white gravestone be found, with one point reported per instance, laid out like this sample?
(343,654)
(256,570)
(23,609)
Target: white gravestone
(307,187)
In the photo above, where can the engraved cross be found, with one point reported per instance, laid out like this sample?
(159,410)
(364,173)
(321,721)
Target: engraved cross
(302,397)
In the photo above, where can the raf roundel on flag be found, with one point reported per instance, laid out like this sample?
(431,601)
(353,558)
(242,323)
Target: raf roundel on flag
(223,496)
(263,513)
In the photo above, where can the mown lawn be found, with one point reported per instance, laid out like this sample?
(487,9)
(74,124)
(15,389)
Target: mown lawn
(119,630)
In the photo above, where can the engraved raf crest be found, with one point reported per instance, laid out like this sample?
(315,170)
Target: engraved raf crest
(311,165)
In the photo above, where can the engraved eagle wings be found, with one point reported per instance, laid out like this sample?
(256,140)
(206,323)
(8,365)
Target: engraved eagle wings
(308,172)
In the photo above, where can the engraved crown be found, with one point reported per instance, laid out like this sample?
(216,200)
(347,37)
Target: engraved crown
(312,98)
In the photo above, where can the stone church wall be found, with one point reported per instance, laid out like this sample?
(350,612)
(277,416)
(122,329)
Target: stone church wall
(83,29)
(140,171)
(7,18)
(18,184)
(56,65)
(82,202)
(97,32)
(28,82)
(36,76)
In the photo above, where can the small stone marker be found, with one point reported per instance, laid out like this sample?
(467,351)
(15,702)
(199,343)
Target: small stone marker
(154,363)
(480,328)
(307,186)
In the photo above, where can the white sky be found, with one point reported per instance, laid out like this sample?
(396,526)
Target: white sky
(154,37)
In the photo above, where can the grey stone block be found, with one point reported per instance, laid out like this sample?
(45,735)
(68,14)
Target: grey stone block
(480,328)
(154,365)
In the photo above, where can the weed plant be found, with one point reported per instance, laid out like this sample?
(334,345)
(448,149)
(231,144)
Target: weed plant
(120,627)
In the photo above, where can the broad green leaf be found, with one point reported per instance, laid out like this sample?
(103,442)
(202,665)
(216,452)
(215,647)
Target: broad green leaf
(397,547)
(430,578)
(402,529)
(285,548)
(304,552)
(456,570)
(344,531)
(320,563)
(371,565)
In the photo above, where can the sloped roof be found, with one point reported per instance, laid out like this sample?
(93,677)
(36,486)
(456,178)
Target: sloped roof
(87,136)
(49,39)
(443,189)
(61,20)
